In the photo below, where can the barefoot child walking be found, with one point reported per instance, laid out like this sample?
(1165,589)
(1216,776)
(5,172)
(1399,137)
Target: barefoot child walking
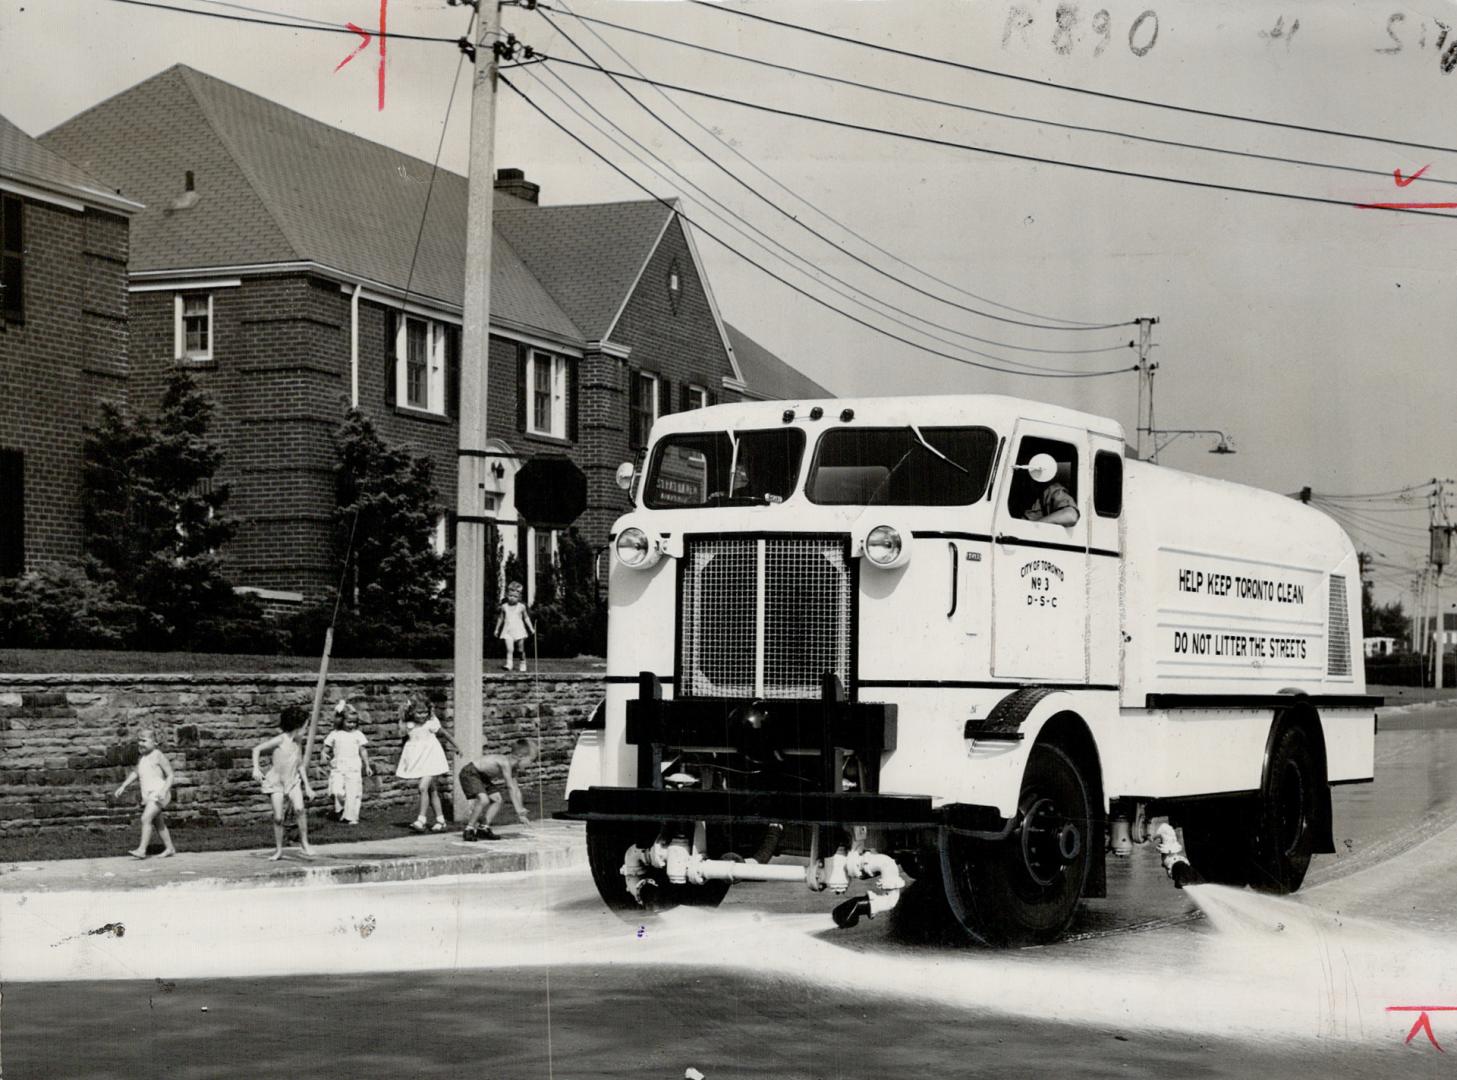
(285,778)
(153,774)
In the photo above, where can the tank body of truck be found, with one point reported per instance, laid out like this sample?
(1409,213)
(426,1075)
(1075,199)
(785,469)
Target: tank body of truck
(849,629)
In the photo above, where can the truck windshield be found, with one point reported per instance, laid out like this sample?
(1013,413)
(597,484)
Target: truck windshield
(703,468)
(891,466)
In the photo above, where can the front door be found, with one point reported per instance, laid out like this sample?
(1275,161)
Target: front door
(1040,565)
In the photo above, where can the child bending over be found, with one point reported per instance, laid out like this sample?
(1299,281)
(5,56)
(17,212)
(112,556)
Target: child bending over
(480,781)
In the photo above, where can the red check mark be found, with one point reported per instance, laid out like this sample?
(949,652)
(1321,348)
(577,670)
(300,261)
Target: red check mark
(1403,181)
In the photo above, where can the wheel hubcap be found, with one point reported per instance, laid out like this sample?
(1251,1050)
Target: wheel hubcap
(1049,841)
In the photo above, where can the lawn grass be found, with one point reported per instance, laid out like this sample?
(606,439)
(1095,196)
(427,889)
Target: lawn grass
(104,662)
(379,822)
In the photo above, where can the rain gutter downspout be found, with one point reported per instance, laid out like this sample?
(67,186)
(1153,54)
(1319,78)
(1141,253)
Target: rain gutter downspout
(354,347)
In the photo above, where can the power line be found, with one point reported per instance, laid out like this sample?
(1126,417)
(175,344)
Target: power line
(855,295)
(312,25)
(435,165)
(729,146)
(962,106)
(265,11)
(804,225)
(790,285)
(953,145)
(709,198)
(1049,85)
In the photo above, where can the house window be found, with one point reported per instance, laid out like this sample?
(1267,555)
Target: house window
(194,334)
(12,523)
(12,260)
(546,387)
(542,556)
(420,364)
(697,397)
(643,407)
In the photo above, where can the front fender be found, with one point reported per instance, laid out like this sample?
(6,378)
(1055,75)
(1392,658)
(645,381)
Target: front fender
(997,745)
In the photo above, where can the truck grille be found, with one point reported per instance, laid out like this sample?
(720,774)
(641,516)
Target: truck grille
(764,617)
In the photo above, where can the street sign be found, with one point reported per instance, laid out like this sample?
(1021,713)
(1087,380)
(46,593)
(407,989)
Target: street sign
(550,492)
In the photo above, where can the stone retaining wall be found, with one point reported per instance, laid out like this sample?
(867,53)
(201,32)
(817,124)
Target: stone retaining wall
(67,741)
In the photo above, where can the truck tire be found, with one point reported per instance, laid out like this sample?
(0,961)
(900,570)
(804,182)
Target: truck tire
(1024,890)
(607,843)
(1283,837)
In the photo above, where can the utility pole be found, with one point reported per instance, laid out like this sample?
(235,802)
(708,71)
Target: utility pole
(472,527)
(1441,533)
(1146,368)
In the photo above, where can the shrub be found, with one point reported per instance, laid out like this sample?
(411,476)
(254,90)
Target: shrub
(59,606)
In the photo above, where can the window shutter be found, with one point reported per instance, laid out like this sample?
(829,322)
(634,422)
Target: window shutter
(12,260)
(390,363)
(12,523)
(685,401)
(452,371)
(710,398)
(572,398)
(523,392)
(665,395)
(634,409)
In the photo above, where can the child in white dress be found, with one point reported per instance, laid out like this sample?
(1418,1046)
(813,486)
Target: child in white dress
(513,624)
(344,747)
(423,758)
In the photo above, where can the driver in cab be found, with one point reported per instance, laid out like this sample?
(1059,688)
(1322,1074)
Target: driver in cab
(1053,504)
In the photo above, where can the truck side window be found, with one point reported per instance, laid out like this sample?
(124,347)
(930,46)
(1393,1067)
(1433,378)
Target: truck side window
(1107,484)
(1032,501)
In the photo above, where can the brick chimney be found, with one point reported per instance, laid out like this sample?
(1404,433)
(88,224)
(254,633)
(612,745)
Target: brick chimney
(514,182)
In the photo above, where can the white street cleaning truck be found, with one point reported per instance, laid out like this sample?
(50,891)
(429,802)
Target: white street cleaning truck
(966,649)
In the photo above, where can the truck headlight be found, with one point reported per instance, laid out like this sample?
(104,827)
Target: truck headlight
(634,549)
(883,546)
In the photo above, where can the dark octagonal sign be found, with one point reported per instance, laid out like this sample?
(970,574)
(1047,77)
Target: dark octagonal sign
(551,491)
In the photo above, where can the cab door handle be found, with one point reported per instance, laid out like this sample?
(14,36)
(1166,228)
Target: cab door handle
(955,571)
(1007,538)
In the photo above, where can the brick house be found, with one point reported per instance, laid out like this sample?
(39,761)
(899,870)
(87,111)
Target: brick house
(298,269)
(63,340)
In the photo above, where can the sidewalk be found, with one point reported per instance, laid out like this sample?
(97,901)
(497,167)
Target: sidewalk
(548,845)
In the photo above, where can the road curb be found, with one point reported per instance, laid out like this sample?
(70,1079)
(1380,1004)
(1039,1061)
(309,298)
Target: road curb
(511,856)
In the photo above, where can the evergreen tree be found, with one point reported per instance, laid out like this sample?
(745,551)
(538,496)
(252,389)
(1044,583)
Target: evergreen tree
(154,524)
(397,588)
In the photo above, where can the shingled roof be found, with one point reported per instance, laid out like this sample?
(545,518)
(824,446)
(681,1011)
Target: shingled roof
(767,376)
(26,162)
(275,186)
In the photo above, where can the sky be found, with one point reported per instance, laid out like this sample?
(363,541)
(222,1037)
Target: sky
(1314,336)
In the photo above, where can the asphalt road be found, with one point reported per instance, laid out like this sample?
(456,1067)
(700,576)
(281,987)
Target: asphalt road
(526,975)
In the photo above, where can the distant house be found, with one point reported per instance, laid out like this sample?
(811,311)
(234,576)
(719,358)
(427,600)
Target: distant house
(298,269)
(1378,646)
(63,340)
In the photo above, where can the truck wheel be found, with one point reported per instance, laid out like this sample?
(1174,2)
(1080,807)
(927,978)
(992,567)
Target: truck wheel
(607,844)
(1284,828)
(1025,890)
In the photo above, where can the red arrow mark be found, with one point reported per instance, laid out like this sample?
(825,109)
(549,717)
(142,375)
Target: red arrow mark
(368,37)
(1403,181)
